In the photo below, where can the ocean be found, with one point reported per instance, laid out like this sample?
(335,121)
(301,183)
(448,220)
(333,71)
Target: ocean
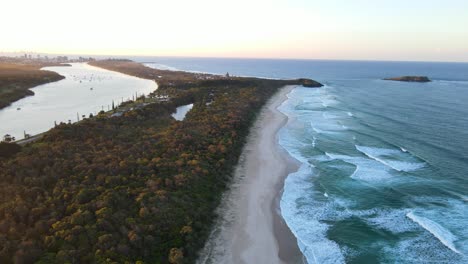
(384,164)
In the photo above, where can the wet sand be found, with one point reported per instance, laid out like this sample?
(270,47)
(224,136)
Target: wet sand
(250,228)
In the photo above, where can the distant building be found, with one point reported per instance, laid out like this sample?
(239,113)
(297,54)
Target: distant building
(62,58)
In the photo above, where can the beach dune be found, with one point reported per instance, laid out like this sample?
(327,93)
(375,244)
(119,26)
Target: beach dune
(250,228)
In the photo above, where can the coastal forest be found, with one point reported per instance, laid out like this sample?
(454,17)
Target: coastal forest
(139,187)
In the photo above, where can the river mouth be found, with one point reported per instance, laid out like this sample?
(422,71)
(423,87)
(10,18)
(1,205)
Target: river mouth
(85,90)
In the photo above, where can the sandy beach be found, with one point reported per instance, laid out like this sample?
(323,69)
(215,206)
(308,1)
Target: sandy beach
(250,228)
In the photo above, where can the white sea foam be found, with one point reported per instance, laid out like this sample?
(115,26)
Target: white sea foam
(366,169)
(321,158)
(304,219)
(403,165)
(442,234)
(393,220)
(310,211)
(421,249)
(365,173)
(377,153)
(450,213)
(327,128)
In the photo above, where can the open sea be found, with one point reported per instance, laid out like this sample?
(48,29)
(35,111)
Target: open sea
(384,174)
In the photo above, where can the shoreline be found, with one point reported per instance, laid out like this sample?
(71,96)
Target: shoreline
(288,250)
(250,228)
(41,129)
(17,80)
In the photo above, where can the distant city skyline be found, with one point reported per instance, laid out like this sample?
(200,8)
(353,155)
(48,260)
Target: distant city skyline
(395,30)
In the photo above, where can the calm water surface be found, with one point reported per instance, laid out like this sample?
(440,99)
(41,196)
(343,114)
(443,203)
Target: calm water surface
(85,89)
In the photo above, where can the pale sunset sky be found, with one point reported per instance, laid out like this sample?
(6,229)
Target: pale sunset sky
(419,30)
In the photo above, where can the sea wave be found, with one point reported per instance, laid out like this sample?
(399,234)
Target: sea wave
(304,220)
(366,169)
(442,234)
(377,153)
(357,176)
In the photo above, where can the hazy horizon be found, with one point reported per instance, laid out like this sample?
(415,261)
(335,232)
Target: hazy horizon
(117,56)
(322,30)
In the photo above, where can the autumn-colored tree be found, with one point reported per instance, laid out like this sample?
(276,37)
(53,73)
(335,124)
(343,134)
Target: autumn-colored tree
(139,187)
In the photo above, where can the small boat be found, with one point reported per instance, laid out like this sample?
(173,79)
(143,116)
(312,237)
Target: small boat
(91,88)
(19,108)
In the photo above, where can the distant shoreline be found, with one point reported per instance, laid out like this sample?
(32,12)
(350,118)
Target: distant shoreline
(17,79)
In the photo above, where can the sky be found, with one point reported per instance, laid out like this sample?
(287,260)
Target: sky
(408,30)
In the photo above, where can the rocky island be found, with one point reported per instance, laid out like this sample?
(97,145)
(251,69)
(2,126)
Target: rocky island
(421,79)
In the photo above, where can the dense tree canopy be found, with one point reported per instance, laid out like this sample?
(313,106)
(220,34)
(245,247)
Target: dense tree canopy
(141,187)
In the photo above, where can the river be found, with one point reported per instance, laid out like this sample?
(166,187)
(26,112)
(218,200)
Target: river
(86,89)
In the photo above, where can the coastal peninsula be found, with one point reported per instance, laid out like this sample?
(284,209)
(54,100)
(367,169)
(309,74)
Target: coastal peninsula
(421,79)
(139,185)
(18,76)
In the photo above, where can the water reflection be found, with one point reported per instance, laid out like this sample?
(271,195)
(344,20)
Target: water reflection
(85,90)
